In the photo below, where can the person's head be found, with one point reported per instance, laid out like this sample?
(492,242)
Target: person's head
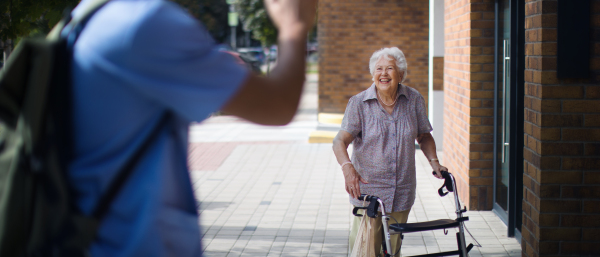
(388,66)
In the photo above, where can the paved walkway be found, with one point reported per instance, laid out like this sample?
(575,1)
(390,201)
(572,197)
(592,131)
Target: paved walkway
(264,191)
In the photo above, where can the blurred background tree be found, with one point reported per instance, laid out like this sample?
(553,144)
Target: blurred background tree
(20,18)
(212,13)
(254,18)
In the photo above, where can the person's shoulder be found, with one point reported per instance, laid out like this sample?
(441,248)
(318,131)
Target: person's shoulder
(135,9)
(167,11)
(167,25)
(359,98)
(412,93)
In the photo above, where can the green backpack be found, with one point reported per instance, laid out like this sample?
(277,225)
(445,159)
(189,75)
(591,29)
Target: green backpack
(38,216)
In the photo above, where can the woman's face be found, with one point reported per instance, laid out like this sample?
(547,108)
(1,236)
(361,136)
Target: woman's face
(386,74)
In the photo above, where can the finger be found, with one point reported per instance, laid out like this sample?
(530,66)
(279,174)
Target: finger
(363,180)
(357,190)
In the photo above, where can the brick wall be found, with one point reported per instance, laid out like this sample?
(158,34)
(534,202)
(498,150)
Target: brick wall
(469,98)
(561,195)
(438,73)
(350,31)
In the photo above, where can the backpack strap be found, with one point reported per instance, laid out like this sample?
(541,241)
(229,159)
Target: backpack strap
(105,201)
(86,227)
(89,10)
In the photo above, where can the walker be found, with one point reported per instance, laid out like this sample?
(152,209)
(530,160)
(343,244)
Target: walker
(396,228)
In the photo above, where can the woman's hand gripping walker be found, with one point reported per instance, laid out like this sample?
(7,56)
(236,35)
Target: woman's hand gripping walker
(399,228)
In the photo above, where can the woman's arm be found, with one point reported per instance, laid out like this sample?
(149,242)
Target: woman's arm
(427,144)
(340,149)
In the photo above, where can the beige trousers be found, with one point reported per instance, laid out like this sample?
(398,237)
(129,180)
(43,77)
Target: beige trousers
(395,240)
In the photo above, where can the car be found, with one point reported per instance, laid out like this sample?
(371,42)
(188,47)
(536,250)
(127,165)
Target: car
(256,52)
(273,53)
(251,62)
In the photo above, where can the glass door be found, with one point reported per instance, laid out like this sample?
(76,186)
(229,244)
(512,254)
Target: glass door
(501,181)
(509,99)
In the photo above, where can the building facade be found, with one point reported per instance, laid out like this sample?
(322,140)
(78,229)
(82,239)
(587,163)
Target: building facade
(513,89)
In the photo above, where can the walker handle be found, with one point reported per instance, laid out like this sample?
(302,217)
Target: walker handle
(444,173)
(373,205)
(365,197)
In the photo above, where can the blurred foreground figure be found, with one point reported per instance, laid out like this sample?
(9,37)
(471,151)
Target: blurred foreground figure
(136,60)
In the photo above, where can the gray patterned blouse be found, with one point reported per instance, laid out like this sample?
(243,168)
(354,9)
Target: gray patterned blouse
(384,145)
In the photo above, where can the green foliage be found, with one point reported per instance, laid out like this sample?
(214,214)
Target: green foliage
(20,18)
(212,13)
(255,18)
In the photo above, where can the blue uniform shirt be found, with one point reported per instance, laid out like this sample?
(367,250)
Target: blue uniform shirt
(134,60)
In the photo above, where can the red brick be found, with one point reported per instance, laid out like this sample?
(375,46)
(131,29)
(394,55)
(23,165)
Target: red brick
(554,120)
(592,120)
(562,92)
(583,106)
(591,234)
(550,220)
(592,92)
(591,206)
(572,163)
(592,134)
(560,206)
(580,192)
(579,249)
(579,220)
(591,177)
(549,247)
(561,177)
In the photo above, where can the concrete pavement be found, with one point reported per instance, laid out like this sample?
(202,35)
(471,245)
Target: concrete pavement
(265,191)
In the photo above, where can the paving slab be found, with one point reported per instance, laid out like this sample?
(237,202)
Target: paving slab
(266,191)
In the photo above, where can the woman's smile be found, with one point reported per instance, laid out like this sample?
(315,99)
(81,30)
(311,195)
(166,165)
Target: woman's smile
(386,74)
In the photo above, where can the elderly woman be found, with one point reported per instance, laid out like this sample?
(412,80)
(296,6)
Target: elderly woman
(383,123)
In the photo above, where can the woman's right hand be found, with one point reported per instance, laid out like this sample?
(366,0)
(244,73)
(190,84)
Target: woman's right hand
(352,179)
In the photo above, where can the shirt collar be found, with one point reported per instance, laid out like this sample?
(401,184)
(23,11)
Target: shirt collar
(372,94)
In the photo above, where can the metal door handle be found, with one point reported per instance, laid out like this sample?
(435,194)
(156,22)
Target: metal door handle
(505,59)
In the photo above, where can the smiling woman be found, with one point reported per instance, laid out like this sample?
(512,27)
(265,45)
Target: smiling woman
(383,122)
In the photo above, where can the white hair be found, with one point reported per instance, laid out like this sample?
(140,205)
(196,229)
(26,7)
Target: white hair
(389,53)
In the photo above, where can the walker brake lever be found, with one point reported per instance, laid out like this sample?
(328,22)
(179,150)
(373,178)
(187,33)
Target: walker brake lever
(355,211)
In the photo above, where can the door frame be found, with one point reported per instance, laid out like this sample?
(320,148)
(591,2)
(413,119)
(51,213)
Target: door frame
(513,217)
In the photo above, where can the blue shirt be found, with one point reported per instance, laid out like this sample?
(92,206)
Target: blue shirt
(134,60)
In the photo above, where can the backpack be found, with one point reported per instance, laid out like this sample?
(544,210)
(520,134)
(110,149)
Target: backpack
(38,215)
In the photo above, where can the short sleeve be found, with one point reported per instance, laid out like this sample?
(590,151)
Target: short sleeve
(352,122)
(173,61)
(422,121)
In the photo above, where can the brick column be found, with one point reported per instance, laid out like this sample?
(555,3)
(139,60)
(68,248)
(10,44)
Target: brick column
(349,33)
(561,198)
(469,99)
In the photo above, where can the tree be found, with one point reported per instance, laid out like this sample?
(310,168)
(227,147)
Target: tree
(20,18)
(255,18)
(212,13)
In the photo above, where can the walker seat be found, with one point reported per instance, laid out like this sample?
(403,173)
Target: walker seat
(427,225)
